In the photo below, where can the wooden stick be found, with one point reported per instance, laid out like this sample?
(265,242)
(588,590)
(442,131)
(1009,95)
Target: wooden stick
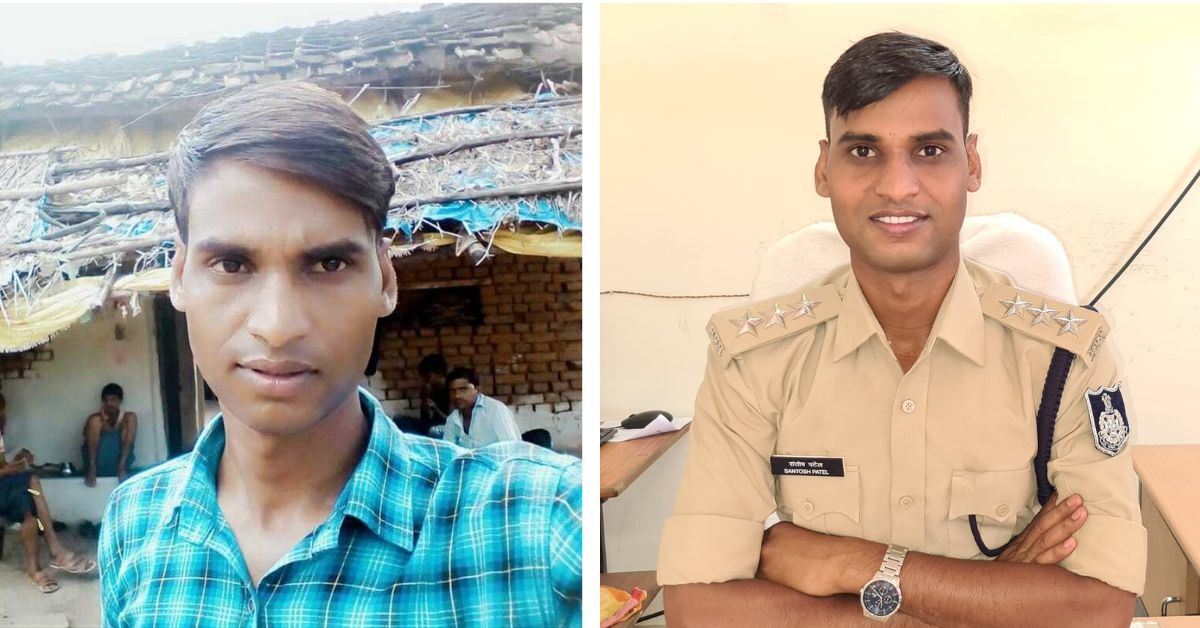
(39,246)
(33,194)
(524,189)
(113,208)
(521,104)
(109,164)
(34,153)
(109,279)
(116,248)
(447,149)
(87,224)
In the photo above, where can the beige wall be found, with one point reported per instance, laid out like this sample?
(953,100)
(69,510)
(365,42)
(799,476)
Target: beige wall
(1089,123)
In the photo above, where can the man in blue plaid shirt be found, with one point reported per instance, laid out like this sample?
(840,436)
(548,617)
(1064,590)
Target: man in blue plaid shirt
(302,504)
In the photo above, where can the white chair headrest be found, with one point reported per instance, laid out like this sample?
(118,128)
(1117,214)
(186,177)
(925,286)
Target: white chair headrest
(1027,252)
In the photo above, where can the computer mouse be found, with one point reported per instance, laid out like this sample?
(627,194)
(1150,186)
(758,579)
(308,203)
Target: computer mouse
(642,419)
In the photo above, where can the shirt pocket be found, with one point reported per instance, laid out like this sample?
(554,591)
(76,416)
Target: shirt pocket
(821,503)
(995,498)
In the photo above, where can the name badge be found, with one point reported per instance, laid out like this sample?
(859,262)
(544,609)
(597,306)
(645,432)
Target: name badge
(801,465)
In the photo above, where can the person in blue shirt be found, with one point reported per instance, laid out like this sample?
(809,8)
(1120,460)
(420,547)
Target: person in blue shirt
(477,419)
(302,504)
(108,438)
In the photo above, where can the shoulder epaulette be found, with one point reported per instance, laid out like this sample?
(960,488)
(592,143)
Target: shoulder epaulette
(1071,327)
(737,330)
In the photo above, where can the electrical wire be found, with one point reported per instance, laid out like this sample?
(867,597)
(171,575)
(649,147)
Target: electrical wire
(674,296)
(1146,241)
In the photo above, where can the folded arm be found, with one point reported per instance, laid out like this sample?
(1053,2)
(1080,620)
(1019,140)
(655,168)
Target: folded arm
(817,577)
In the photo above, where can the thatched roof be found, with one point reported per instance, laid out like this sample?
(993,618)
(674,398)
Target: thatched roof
(506,175)
(435,44)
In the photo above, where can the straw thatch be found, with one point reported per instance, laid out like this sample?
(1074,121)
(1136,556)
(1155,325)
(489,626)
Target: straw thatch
(462,174)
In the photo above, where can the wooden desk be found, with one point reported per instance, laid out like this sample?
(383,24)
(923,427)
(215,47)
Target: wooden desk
(1171,514)
(622,463)
(644,580)
(1166,622)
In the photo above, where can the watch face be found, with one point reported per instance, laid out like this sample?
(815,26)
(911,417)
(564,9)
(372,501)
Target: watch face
(881,598)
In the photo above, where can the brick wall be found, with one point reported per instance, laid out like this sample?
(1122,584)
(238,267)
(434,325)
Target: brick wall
(528,351)
(22,365)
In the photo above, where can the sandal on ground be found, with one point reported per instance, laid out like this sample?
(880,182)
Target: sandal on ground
(45,583)
(75,565)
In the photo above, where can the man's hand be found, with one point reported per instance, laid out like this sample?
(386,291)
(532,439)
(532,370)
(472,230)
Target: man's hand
(1048,539)
(817,564)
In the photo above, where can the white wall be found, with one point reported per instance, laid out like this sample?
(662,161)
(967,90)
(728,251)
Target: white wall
(1089,123)
(47,414)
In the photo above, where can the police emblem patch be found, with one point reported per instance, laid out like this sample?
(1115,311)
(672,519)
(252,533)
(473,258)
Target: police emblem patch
(1110,421)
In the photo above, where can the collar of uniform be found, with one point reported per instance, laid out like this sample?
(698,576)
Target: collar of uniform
(856,322)
(379,491)
(959,321)
(370,495)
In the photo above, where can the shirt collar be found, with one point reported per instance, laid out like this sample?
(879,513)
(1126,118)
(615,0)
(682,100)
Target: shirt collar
(378,492)
(959,321)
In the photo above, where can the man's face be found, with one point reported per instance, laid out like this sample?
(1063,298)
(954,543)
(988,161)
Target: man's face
(897,173)
(111,404)
(463,394)
(282,283)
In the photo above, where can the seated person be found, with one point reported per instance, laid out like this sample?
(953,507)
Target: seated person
(435,399)
(435,395)
(108,438)
(22,500)
(477,419)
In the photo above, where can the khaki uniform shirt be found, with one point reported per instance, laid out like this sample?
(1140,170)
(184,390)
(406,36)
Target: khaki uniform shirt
(811,375)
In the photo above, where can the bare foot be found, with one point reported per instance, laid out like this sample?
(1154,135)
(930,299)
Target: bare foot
(90,480)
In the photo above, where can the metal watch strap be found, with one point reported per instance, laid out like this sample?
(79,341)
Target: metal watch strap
(893,559)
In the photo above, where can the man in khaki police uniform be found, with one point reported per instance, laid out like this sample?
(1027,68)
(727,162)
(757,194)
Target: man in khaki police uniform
(887,418)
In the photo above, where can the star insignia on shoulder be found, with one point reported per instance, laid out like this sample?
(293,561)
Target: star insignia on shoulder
(1070,324)
(747,325)
(1042,314)
(806,307)
(777,317)
(1016,307)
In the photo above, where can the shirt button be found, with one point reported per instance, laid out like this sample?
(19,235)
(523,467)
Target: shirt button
(906,502)
(908,406)
(806,508)
(1001,510)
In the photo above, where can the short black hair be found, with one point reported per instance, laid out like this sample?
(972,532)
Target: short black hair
(292,127)
(876,66)
(434,364)
(466,373)
(113,390)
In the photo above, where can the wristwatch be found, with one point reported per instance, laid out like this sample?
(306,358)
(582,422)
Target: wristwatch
(880,598)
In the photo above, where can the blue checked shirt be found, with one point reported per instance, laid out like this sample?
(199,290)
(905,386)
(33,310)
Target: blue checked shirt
(423,534)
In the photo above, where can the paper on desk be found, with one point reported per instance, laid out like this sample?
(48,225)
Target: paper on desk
(660,425)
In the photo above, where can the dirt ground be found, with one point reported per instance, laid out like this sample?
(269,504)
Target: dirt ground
(76,603)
